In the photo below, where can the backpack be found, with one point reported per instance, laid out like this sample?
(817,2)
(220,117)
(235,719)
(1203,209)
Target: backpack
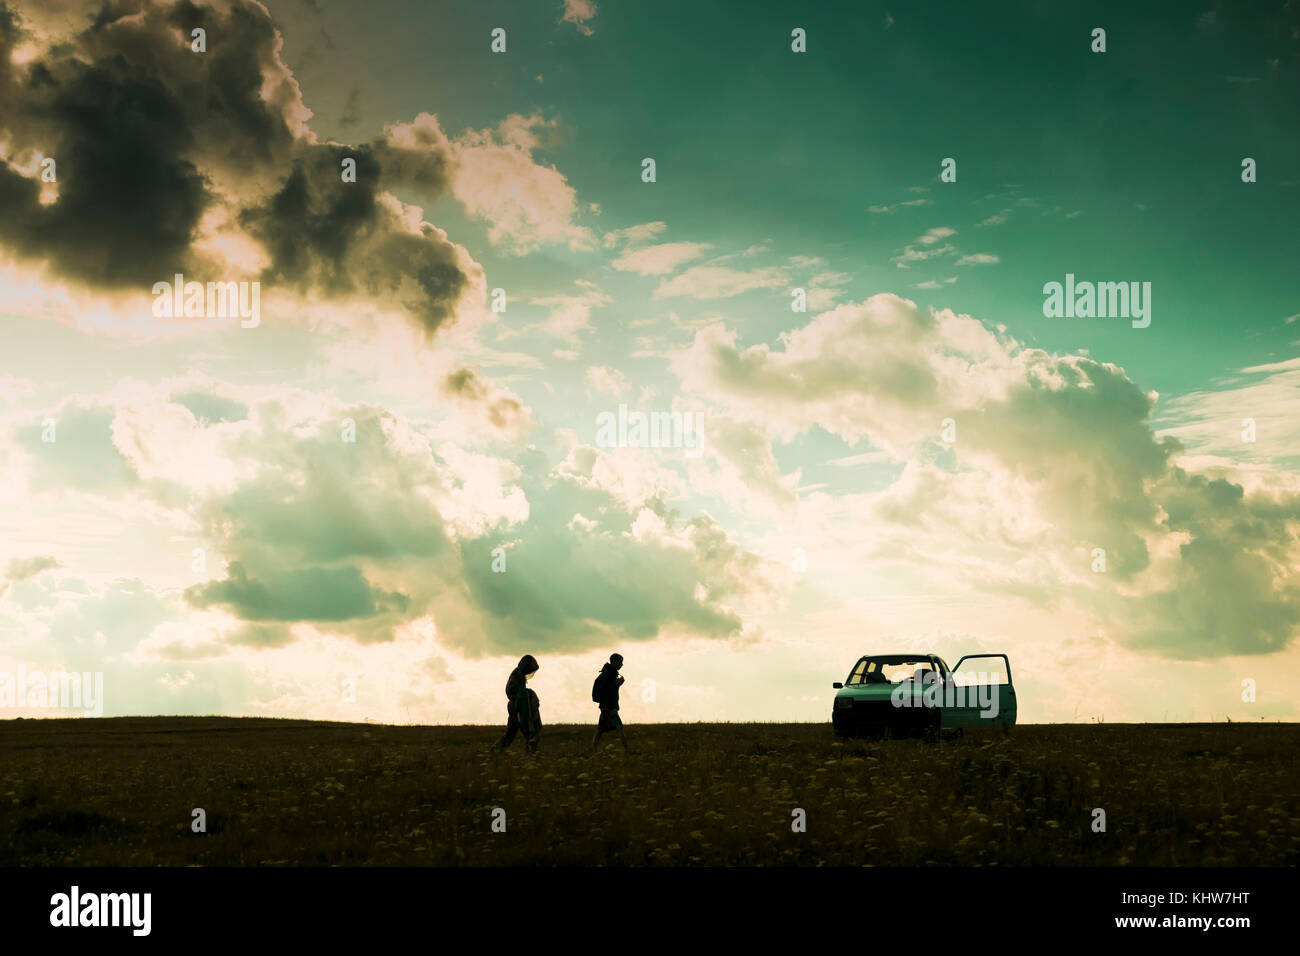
(598,688)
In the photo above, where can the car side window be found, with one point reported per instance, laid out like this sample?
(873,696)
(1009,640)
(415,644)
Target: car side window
(858,672)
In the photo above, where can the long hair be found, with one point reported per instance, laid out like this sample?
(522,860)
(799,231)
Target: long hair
(527,664)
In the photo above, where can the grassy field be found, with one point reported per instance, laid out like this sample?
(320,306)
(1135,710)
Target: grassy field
(287,792)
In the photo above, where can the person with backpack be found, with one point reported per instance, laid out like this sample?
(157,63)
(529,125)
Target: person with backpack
(604,691)
(520,709)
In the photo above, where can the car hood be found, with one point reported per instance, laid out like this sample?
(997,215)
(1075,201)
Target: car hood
(867,691)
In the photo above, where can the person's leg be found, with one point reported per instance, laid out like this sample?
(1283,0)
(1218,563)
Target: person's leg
(595,741)
(532,738)
(616,723)
(512,728)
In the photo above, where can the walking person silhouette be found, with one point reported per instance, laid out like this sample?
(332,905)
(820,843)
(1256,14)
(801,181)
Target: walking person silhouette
(604,691)
(521,711)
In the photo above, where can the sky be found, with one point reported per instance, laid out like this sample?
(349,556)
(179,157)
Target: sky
(368,497)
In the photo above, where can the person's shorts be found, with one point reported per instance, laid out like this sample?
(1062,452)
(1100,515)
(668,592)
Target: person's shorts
(609,720)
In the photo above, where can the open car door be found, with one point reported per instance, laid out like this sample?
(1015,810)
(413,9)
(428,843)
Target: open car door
(983,693)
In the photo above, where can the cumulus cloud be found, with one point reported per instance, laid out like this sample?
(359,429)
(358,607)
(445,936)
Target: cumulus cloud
(175,162)
(170,161)
(527,204)
(1054,456)
(323,517)
(578,12)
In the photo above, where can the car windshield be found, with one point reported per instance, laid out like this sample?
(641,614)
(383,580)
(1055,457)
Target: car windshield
(889,670)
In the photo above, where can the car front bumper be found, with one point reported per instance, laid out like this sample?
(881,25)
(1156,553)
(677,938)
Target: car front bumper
(881,717)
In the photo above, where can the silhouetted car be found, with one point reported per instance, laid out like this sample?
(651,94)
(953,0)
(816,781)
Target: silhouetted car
(918,694)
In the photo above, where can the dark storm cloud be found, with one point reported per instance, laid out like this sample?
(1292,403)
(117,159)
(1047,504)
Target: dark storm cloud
(129,204)
(9,35)
(342,238)
(149,136)
(310,224)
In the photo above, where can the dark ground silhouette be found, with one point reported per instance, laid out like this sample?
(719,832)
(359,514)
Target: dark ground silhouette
(289,792)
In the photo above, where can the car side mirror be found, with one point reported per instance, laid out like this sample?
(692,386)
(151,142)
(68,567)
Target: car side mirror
(837,685)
